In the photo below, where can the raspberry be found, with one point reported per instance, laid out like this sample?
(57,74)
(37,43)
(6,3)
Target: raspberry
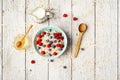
(39,36)
(61,45)
(75,18)
(36,42)
(65,15)
(58,45)
(42,52)
(40,43)
(61,38)
(32,61)
(39,39)
(59,34)
(43,33)
(57,37)
(49,45)
(54,53)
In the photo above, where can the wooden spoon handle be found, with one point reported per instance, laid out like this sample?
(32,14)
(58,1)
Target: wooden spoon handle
(27,32)
(78,44)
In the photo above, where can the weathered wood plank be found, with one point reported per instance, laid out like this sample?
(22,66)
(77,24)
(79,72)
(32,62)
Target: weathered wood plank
(118,39)
(83,65)
(0,39)
(56,70)
(106,39)
(39,70)
(13,23)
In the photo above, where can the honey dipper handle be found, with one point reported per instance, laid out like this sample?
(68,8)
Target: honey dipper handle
(27,32)
(78,44)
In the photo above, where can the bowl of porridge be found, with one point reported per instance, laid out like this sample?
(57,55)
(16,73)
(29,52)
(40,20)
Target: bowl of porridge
(50,42)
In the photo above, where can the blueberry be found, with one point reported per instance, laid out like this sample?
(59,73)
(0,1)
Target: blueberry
(49,49)
(44,45)
(50,37)
(38,47)
(64,67)
(82,49)
(48,34)
(50,30)
(50,42)
(50,54)
(53,46)
(59,40)
(47,40)
(55,41)
(60,49)
(51,60)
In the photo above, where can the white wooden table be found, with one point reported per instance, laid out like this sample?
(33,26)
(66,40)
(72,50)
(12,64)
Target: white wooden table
(98,61)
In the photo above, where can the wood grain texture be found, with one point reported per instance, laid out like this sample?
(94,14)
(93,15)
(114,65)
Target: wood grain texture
(13,23)
(39,70)
(1,39)
(98,61)
(83,65)
(56,70)
(118,38)
(106,39)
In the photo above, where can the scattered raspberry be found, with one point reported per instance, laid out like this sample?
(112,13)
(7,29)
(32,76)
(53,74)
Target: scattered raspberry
(42,52)
(65,15)
(75,18)
(49,45)
(32,61)
(54,53)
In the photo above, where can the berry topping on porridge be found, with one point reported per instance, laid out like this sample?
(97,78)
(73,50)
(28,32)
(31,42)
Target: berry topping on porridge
(49,42)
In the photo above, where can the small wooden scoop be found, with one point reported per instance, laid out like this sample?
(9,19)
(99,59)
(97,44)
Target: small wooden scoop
(19,43)
(82,28)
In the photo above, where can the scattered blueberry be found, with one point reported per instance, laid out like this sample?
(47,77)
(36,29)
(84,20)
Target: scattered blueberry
(49,49)
(82,49)
(30,69)
(55,41)
(50,42)
(53,46)
(44,45)
(51,60)
(64,67)
(47,40)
